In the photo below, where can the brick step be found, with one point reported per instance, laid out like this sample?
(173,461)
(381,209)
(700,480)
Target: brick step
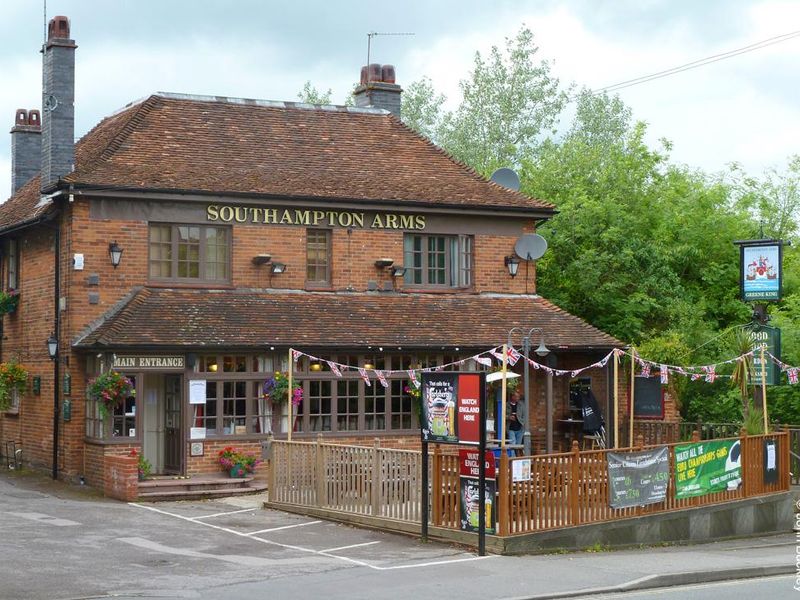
(163,496)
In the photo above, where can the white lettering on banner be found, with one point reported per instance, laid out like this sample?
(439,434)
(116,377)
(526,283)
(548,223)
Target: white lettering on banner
(149,362)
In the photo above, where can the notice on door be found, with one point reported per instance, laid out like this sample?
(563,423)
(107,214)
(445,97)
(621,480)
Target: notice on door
(197,391)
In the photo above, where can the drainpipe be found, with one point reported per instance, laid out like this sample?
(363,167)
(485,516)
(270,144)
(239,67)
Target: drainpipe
(57,326)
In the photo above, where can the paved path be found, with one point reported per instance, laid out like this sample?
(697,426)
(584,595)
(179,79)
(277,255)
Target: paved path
(60,542)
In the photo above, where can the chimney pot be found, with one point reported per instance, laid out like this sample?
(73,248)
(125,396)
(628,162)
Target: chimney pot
(58,28)
(364,75)
(22,117)
(374,73)
(34,118)
(387,74)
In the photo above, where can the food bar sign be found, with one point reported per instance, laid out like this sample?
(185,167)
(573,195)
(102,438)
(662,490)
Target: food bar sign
(161,363)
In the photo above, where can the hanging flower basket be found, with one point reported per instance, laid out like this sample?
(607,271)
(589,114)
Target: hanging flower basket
(9,300)
(276,388)
(12,377)
(110,390)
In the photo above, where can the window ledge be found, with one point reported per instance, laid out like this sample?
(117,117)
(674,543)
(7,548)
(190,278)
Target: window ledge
(427,290)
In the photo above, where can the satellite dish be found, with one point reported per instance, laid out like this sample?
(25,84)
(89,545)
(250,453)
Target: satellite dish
(507,178)
(530,246)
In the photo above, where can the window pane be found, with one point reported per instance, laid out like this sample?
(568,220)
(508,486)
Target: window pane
(319,405)
(375,407)
(347,404)
(318,256)
(216,263)
(160,250)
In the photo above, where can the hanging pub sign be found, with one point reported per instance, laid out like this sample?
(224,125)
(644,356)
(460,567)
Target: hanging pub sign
(771,338)
(761,269)
(451,407)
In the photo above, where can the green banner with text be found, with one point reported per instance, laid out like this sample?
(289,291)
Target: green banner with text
(707,467)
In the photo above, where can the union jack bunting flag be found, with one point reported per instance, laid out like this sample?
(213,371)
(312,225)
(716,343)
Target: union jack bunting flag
(711,374)
(364,376)
(382,378)
(484,360)
(513,356)
(334,369)
(413,377)
(645,368)
(792,373)
(664,374)
(296,354)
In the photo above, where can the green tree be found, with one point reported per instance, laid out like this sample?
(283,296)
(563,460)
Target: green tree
(311,95)
(421,108)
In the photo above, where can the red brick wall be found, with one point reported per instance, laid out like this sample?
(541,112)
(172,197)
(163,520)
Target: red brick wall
(121,477)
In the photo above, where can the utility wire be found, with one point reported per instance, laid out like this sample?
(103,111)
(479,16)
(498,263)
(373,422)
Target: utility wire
(697,63)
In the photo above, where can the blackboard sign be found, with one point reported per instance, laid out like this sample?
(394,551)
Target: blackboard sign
(638,478)
(648,398)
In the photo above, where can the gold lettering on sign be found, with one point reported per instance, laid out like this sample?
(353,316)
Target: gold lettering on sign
(312,218)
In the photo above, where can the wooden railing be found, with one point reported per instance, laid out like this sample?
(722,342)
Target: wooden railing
(372,481)
(669,432)
(564,489)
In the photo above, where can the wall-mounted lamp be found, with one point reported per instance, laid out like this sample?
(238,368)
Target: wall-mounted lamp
(52,346)
(369,366)
(398,271)
(115,252)
(261,259)
(278,268)
(382,263)
(512,264)
(315,366)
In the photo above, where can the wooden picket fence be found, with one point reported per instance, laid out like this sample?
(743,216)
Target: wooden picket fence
(564,489)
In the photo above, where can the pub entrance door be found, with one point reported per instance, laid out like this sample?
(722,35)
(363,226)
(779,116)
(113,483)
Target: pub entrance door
(162,423)
(173,400)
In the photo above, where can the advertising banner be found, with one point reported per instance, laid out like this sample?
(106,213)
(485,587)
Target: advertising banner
(468,408)
(706,467)
(760,266)
(439,394)
(771,338)
(469,490)
(638,478)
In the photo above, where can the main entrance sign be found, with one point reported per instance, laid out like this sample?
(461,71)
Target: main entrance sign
(153,362)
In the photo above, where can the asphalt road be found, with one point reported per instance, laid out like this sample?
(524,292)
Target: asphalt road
(60,542)
(765,587)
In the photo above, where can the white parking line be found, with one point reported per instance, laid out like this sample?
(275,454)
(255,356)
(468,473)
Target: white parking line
(350,546)
(309,550)
(284,527)
(222,514)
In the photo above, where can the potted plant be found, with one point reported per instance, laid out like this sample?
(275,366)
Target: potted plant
(110,390)
(237,463)
(143,465)
(13,377)
(276,388)
(8,301)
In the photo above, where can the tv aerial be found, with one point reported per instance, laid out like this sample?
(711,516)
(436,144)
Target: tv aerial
(372,34)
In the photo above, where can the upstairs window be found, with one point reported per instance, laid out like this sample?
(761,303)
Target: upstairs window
(318,257)
(12,282)
(438,260)
(191,253)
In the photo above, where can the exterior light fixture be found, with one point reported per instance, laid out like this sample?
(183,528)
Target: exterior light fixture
(315,366)
(261,259)
(512,264)
(115,252)
(542,350)
(398,271)
(278,268)
(52,346)
(382,263)
(369,365)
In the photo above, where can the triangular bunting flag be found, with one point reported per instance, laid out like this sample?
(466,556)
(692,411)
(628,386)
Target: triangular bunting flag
(711,374)
(382,378)
(664,374)
(792,373)
(334,368)
(513,356)
(645,369)
(364,376)
(484,360)
(296,354)
(413,377)
(498,355)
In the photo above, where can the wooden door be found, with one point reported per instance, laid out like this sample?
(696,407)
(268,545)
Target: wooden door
(173,401)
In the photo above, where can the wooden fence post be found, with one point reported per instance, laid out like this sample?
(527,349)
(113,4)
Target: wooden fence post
(786,481)
(436,485)
(575,458)
(503,481)
(747,487)
(272,485)
(376,478)
(319,473)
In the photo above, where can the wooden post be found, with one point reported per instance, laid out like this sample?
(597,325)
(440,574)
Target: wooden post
(616,399)
(320,472)
(745,454)
(273,475)
(290,425)
(436,492)
(633,385)
(764,390)
(503,484)
(377,482)
(574,490)
(785,465)
(502,420)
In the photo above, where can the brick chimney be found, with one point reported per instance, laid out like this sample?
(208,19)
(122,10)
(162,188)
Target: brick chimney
(26,147)
(378,89)
(58,103)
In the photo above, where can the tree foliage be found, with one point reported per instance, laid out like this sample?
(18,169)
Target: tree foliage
(311,95)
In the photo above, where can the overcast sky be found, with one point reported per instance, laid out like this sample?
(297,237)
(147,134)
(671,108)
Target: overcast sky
(744,109)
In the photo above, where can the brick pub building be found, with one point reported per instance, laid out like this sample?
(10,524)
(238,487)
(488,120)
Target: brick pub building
(246,228)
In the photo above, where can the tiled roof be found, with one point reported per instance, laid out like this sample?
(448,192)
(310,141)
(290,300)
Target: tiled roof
(197,319)
(282,149)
